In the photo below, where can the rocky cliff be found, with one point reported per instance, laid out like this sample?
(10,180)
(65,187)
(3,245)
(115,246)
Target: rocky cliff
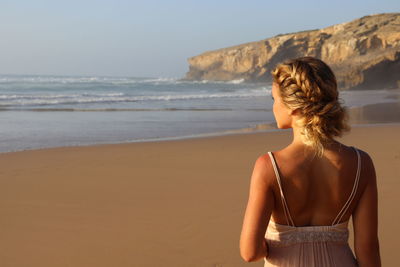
(364,53)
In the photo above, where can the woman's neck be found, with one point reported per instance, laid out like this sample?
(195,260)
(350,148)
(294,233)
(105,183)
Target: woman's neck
(297,136)
(297,141)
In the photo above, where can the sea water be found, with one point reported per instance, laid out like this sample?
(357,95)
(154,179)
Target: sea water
(52,111)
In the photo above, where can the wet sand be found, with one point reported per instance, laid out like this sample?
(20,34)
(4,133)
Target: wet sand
(167,203)
(376,113)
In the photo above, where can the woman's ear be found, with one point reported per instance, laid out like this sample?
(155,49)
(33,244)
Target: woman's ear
(295,112)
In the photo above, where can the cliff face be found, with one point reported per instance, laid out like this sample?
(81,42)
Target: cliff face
(364,53)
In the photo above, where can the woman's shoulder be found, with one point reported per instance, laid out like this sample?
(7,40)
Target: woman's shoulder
(367,172)
(263,163)
(264,169)
(367,165)
(365,157)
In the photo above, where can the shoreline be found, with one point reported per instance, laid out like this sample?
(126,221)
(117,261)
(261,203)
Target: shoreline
(242,131)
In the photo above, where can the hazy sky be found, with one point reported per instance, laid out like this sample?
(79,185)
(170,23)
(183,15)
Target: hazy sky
(151,38)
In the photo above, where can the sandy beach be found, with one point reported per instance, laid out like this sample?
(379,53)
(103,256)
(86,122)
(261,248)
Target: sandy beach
(168,203)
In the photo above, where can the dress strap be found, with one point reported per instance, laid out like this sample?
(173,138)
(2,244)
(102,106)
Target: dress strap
(353,192)
(284,204)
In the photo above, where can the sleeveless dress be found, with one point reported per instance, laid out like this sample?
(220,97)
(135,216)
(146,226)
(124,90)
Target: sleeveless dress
(310,246)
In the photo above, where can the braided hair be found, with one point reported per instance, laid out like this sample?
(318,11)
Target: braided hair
(309,85)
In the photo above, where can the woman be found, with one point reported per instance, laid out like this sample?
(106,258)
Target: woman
(302,197)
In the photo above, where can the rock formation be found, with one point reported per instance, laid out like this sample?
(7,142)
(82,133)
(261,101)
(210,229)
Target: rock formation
(364,54)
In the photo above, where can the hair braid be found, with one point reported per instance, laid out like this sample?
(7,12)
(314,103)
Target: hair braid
(308,84)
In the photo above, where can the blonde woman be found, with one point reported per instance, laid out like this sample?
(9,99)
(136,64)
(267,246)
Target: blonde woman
(302,197)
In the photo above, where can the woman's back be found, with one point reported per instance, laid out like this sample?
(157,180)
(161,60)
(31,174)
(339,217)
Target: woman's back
(313,244)
(316,188)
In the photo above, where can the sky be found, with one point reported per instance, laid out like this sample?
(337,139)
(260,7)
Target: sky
(151,38)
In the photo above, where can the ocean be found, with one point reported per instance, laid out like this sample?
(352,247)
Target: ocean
(52,111)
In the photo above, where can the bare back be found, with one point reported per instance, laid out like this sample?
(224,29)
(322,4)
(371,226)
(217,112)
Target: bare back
(316,189)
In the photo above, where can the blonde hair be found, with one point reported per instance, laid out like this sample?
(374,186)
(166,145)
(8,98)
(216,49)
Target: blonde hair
(309,85)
